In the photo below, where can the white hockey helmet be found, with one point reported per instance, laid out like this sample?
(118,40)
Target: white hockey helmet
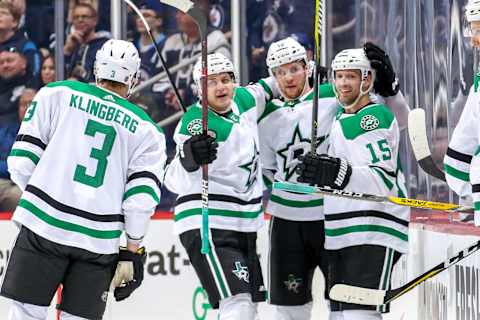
(285,51)
(354,59)
(472,14)
(119,61)
(217,63)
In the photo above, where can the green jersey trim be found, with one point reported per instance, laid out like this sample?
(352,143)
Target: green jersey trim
(296,203)
(244,99)
(324,91)
(100,93)
(366,228)
(218,212)
(141,189)
(464,176)
(266,88)
(269,108)
(68,226)
(26,154)
(370,118)
(385,180)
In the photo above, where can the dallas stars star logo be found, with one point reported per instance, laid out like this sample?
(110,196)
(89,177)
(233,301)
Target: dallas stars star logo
(297,146)
(293,283)
(241,272)
(252,168)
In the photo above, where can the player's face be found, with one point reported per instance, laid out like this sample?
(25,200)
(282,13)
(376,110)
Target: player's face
(291,79)
(220,89)
(347,85)
(475,29)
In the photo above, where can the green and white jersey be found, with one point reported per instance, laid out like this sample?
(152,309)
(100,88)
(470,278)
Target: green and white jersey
(369,141)
(463,146)
(234,179)
(90,164)
(284,131)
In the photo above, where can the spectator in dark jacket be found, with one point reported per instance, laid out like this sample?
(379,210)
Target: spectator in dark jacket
(83,42)
(11,37)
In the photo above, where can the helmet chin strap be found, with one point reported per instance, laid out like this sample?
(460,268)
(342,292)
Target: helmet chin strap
(360,95)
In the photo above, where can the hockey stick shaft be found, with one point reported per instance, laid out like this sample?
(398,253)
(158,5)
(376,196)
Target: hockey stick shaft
(417,133)
(406,202)
(318,31)
(365,296)
(155,44)
(200,18)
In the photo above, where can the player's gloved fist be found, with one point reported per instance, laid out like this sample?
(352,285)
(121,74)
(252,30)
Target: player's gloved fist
(323,170)
(386,83)
(197,150)
(129,273)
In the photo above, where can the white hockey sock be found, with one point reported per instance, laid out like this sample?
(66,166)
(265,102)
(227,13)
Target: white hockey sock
(361,315)
(302,312)
(67,316)
(25,311)
(237,307)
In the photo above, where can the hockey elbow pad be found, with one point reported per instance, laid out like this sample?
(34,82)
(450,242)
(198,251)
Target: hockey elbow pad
(129,273)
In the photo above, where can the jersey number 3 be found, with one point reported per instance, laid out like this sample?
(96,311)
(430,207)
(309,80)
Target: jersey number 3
(99,154)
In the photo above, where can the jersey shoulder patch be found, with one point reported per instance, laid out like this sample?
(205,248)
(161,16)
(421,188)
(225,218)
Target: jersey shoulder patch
(218,126)
(370,118)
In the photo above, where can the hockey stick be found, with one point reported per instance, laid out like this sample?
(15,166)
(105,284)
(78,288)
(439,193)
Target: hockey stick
(200,18)
(170,78)
(406,202)
(318,31)
(376,297)
(417,133)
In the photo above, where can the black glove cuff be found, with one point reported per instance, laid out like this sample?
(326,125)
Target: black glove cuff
(343,175)
(186,158)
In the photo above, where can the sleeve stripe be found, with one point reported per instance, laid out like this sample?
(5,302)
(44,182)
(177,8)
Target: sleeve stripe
(476,188)
(464,176)
(266,88)
(24,153)
(141,189)
(459,156)
(145,174)
(32,140)
(387,183)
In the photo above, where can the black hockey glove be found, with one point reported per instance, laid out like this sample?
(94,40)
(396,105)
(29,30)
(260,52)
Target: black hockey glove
(386,83)
(198,150)
(129,273)
(322,170)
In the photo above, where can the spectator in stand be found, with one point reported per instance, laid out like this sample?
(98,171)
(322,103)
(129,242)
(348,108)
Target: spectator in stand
(25,99)
(12,37)
(47,72)
(13,77)
(83,42)
(40,22)
(185,45)
(150,62)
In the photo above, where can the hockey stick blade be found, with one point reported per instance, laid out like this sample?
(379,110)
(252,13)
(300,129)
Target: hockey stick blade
(406,202)
(375,297)
(417,133)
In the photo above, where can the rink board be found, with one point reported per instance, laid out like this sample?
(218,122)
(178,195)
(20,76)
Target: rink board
(172,291)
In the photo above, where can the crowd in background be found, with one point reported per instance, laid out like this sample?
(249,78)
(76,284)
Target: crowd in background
(27,63)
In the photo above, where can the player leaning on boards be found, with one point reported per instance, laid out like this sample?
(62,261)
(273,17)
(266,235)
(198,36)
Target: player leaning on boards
(231,272)
(364,239)
(284,131)
(89,163)
(462,161)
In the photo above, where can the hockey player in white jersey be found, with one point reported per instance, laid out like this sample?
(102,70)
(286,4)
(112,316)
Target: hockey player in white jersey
(364,239)
(293,259)
(89,163)
(462,160)
(231,273)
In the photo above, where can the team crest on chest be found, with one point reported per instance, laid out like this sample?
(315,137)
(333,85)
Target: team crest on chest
(369,122)
(194,127)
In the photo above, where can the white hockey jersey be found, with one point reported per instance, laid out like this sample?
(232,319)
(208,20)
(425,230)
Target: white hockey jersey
(369,141)
(285,131)
(90,164)
(235,180)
